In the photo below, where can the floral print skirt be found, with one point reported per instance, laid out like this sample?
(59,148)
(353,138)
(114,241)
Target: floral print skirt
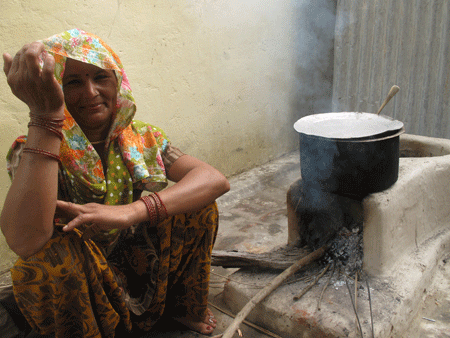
(70,289)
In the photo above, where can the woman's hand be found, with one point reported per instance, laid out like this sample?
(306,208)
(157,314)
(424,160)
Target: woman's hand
(105,217)
(36,87)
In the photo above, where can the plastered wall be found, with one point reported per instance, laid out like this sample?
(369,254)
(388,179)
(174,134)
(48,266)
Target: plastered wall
(225,79)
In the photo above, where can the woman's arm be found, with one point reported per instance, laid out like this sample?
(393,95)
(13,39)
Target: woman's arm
(27,215)
(198,184)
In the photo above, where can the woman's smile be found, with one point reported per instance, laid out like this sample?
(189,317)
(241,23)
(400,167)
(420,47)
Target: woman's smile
(93,107)
(90,94)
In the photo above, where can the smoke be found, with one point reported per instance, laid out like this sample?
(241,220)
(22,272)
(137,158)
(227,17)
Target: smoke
(315,27)
(310,27)
(315,47)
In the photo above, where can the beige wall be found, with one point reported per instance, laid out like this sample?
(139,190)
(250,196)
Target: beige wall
(226,79)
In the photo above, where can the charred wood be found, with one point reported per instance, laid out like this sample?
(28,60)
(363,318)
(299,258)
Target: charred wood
(278,259)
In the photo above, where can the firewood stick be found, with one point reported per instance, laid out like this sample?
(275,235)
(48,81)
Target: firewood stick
(305,290)
(325,287)
(262,294)
(254,326)
(370,305)
(354,308)
(356,294)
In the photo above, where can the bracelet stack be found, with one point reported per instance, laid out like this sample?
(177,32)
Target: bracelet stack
(155,207)
(50,124)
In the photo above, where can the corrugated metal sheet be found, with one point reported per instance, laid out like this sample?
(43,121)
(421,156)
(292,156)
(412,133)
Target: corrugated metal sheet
(380,43)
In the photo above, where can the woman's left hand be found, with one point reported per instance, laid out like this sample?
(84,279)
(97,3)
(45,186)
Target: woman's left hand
(105,217)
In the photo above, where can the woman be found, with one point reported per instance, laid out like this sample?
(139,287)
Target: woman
(109,260)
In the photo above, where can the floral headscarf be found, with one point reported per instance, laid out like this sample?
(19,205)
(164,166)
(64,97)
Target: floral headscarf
(132,147)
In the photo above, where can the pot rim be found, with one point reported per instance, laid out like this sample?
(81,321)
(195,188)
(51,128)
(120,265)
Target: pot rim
(398,133)
(347,125)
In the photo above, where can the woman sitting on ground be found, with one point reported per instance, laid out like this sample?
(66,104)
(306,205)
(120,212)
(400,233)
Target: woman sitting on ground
(96,256)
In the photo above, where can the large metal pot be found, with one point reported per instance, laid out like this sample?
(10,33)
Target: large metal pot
(365,163)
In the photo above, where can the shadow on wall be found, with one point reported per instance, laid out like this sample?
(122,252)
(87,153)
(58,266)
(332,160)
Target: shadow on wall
(314,69)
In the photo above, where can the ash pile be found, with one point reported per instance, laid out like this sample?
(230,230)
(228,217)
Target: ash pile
(346,251)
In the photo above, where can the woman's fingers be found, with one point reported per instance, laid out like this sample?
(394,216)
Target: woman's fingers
(35,86)
(16,73)
(15,62)
(48,70)
(106,217)
(49,81)
(31,58)
(19,68)
(7,62)
(85,214)
(66,209)
(77,212)
(79,220)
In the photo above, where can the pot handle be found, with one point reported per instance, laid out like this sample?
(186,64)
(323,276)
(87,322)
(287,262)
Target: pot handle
(394,90)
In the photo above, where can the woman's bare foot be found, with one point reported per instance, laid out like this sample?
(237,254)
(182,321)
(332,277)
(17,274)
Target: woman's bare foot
(205,326)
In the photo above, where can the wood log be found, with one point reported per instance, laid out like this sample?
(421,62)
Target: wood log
(279,259)
(262,294)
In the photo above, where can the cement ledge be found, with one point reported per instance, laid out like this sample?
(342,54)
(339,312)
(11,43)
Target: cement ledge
(395,298)
(401,217)
(413,274)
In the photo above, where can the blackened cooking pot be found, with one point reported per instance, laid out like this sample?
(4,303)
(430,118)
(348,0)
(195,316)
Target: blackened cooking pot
(353,167)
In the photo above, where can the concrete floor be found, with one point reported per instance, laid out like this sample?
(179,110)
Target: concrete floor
(253,219)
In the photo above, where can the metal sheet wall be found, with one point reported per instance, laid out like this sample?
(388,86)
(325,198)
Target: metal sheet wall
(380,43)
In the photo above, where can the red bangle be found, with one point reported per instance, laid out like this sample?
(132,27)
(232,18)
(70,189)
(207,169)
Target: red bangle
(47,127)
(150,208)
(162,207)
(158,207)
(42,152)
(47,120)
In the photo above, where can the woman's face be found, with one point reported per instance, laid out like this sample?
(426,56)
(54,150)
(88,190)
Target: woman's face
(90,94)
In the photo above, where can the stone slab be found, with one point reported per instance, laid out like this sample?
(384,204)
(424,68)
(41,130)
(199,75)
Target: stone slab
(395,299)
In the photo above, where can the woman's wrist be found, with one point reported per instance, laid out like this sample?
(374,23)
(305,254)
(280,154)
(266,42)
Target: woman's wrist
(43,139)
(138,212)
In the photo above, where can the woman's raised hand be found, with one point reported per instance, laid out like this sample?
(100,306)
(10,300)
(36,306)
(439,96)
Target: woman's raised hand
(36,87)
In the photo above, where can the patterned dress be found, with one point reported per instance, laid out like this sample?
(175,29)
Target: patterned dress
(117,281)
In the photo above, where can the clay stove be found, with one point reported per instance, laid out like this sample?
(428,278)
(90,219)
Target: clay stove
(405,234)
(394,221)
